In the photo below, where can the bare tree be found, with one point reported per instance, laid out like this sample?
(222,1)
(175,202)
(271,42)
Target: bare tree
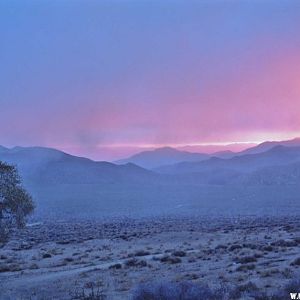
(15,202)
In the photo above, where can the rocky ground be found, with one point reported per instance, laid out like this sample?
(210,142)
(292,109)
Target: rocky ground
(57,260)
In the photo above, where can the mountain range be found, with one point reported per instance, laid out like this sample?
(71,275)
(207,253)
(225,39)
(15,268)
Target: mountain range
(278,155)
(65,184)
(268,145)
(46,165)
(162,156)
(39,165)
(167,155)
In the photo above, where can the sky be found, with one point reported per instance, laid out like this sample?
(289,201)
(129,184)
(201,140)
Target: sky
(105,79)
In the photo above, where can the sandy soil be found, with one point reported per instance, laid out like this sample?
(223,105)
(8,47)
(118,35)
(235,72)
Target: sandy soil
(55,260)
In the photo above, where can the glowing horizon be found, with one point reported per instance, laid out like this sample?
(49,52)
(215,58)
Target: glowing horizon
(113,152)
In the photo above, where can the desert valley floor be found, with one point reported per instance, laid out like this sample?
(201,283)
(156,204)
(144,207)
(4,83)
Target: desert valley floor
(55,260)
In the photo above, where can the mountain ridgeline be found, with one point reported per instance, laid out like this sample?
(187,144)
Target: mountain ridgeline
(162,181)
(162,156)
(50,166)
(239,166)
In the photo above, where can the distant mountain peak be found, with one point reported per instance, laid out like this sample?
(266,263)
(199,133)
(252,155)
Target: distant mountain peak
(160,156)
(296,139)
(167,149)
(265,146)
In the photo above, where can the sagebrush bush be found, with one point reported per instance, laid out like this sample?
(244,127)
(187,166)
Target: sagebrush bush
(89,292)
(172,291)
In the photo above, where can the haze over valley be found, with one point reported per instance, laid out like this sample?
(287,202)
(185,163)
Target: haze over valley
(261,180)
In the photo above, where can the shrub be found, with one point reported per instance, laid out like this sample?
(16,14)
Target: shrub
(172,291)
(170,259)
(246,259)
(268,248)
(87,294)
(296,262)
(4,232)
(283,243)
(46,255)
(141,253)
(116,266)
(4,268)
(245,267)
(234,247)
(179,253)
(135,263)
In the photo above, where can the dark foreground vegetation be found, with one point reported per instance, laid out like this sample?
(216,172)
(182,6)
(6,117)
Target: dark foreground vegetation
(190,291)
(15,202)
(167,290)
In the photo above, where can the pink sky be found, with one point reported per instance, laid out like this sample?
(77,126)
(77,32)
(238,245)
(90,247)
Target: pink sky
(106,80)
